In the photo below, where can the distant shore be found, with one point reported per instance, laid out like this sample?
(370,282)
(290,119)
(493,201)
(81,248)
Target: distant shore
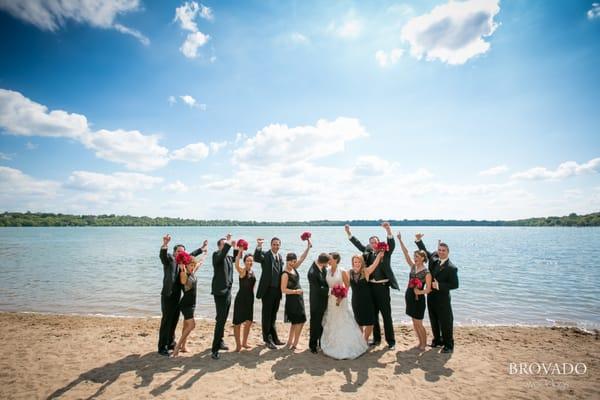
(17,219)
(54,356)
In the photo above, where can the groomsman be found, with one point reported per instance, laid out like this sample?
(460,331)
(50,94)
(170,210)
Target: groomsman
(171,294)
(319,295)
(445,278)
(269,289)
(222,282)
(380,282)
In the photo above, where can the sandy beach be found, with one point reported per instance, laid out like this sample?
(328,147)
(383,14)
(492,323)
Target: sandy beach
(53,356)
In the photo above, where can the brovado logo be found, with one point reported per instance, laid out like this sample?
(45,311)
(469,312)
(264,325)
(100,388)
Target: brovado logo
(545,369)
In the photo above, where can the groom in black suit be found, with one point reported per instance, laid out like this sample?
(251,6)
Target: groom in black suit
(222,282)
(170,294)
(269,289)
(319,294)
(445,278)
(380,282)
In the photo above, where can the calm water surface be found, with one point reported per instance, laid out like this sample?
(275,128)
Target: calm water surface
(508,275)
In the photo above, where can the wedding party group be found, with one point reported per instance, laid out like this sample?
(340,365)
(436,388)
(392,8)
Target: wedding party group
(339,327)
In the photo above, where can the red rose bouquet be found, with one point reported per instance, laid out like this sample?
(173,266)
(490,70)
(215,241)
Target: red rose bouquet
(340,292)
(242,243)
(183,258)
(305,236)
(382,246)
(415,283)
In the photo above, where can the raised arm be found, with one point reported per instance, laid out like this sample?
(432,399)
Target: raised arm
(371,268)
(421,245)
(219,255)
(200,250)
(164,257)
(409,261)
(390,237)
(353,239)
(240,270)
(304,254)
(259,255)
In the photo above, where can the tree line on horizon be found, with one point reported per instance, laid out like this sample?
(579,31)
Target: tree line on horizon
(18,219)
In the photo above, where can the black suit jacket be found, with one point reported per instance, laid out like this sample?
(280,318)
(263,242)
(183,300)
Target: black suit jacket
(446,275)
(222,271)
(386,265)
(319,289)
(265,258)
(171,283)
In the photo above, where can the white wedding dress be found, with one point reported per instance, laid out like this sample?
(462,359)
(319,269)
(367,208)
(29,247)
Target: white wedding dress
(342,338)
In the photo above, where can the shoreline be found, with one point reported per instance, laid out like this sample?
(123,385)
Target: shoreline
(114,357)
(592,330)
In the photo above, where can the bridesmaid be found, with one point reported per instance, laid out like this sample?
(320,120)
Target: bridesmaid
(415,297)
(187,304)
(243,307)
(294,302)
(362,300)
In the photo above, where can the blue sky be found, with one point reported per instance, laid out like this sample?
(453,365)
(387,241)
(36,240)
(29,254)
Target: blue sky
(273,110)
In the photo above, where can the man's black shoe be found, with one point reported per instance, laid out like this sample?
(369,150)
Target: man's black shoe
(278,342)
(223,347)
(374,343)
(435,344)
(314,351)
(164,352)
(271,345)
(215,355)
(392,346)
(171,346)
(447,350)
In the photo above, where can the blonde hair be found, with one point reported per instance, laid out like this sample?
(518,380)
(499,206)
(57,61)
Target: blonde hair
(363,265)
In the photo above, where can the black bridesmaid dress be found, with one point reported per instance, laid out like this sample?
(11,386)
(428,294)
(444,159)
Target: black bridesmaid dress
(243,307)
(362,300)
(415,305)
(294,303)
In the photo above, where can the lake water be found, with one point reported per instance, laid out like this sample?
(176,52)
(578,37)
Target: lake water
(508,275)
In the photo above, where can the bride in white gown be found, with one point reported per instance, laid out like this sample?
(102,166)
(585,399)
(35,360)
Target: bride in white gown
(342,338)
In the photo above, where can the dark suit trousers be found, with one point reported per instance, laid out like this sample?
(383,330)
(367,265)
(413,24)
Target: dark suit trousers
(270,307)
(442,320)
(169,306)
(381,301)
(316,325)
(222,305)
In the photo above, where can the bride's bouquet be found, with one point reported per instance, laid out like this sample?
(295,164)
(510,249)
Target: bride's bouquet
(340,292)
(381,246)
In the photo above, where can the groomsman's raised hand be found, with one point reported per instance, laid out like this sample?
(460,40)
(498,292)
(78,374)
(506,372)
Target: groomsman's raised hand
(166,240)
(259,242)
(418,237)
(347,229)
(388,228)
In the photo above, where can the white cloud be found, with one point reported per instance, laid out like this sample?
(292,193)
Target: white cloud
(348,27)
(51,15)
(216,146)
(6,157)
(454,32)
(193,41)
(190,101)
(387,59)
(564,170)
(192,152)
(497,170)
(18,187)
(594,12)
(21,116)
(279,143)
(132,148)
(186,15)
(31,146)
(298,38)
(171,100)
(119,181)
(177,186)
